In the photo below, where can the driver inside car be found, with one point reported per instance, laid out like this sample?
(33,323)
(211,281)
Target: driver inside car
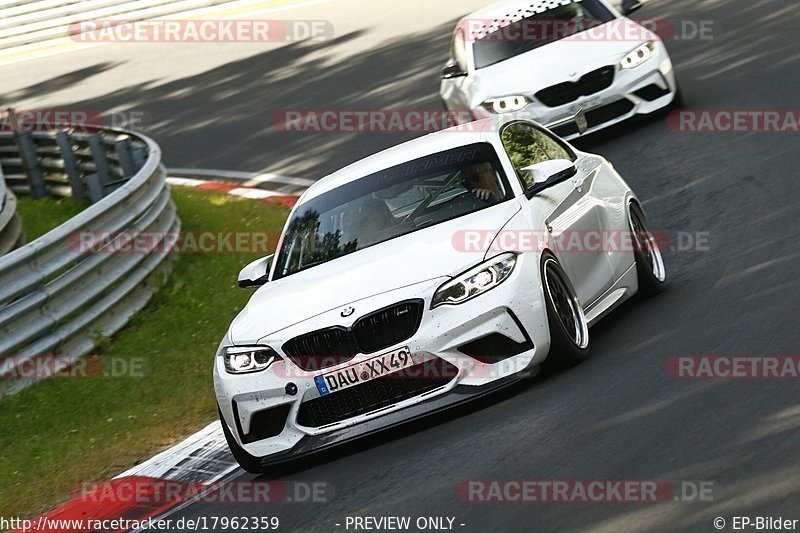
(364,222)
(481,180)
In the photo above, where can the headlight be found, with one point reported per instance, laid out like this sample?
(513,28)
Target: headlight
(507,104)
(246,359)
(639,55)
(478,280)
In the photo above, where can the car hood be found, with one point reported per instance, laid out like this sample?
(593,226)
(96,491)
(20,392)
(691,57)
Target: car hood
(560,61)
(424,255)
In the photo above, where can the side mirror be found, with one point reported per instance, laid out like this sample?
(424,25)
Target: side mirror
(553,170)
(629,6)
(256,273)
(452,70)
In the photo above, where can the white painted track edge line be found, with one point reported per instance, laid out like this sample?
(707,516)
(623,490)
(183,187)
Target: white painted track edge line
(248,178)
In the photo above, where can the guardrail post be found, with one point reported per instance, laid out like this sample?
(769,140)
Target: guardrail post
(125,156)
(139,156)
(30,161)
(95,188)
(71,167)
(98,181)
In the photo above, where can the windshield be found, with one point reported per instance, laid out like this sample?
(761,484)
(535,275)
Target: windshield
(537,30)
(390,203)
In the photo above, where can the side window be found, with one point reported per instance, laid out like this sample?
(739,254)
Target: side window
(459,50)
(528,145)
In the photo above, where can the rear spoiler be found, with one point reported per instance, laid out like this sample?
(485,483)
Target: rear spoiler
(579,118)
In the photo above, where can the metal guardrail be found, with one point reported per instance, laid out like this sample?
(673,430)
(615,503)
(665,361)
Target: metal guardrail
(57,299)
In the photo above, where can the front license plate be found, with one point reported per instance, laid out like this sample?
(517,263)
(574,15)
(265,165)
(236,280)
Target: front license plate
(364,371)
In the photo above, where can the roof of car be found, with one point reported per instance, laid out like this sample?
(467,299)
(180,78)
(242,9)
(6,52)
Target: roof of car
(501,14)
(517,8)
(462,135)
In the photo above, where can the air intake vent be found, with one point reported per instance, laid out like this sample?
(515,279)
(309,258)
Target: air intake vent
(321,349)
(376,331)
(388,327)
(263,424)
(564,93)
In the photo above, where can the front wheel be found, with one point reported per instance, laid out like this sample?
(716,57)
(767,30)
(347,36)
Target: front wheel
(569,331)
(650,269)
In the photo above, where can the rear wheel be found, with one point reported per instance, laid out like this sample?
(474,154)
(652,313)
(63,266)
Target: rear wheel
(650,267)
(245,460)
(569,331)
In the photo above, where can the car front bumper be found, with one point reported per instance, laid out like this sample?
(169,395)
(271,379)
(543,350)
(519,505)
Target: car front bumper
(514,309)
(638,91)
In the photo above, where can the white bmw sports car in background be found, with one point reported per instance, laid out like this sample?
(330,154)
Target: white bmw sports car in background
(423,276)
(554,57)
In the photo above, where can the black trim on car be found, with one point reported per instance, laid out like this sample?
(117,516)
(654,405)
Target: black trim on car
(458,395)
(302,350)
(504,347)
(274,420)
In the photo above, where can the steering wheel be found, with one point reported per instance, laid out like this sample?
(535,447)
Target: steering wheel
(431,197)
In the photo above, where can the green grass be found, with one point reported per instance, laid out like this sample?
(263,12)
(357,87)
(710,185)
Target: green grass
(40,216)
(64,432)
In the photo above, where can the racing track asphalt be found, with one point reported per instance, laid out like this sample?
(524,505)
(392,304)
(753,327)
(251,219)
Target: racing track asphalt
(620,415)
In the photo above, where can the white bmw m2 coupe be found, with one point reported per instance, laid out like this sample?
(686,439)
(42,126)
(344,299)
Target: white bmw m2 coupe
(424,276)
(554,57)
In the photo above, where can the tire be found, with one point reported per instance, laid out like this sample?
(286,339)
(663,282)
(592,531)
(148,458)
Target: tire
(249,462)
(569,331)
(650,269)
